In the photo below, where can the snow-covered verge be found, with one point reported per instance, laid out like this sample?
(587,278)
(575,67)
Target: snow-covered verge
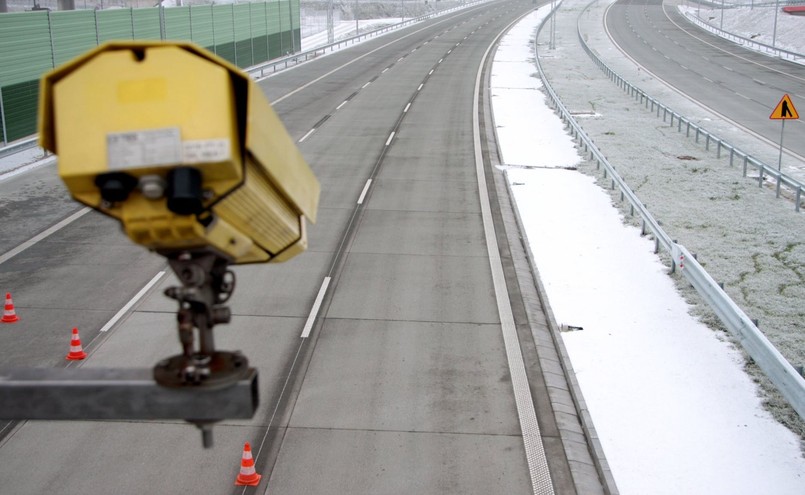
(744,237)
(671,402)
(756,23)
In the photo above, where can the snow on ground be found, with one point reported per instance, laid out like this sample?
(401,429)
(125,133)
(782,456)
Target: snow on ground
(756,23)
(670,401)
(346,29)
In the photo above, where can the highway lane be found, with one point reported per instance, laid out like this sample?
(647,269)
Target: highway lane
(741,85)
(403,384)
(82,275)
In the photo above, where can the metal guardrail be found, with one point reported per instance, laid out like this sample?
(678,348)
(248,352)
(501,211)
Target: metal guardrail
(796,187)
(18,146)
(776,51)
(268,68)
(781,373)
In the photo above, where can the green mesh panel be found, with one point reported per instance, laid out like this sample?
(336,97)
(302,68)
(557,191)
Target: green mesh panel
(177,23)
(114,25)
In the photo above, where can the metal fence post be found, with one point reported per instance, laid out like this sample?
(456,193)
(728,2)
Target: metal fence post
(234,33)
(212,17)
(52,46)
(3,116)
(290,25)
(97,34)
(251,34)
(161,22)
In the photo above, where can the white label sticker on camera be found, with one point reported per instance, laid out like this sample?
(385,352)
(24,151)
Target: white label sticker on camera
(205,151)
(151,148)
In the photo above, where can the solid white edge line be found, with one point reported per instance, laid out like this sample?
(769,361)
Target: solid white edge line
(314,311)
(132,302)
(341,105)
(307,135)
(532,440)
(365,190)
(33,240)
(391,136)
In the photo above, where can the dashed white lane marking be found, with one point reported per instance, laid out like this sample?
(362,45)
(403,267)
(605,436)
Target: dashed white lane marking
(132,302)
(407,107)
(365,190)
(391,136)
(314,311)
(341,105)
(365,85)
(307,135)
(420,87)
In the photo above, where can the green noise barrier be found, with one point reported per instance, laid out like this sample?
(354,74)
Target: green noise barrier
(32,43)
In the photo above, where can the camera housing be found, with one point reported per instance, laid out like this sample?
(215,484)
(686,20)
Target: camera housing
(182,148)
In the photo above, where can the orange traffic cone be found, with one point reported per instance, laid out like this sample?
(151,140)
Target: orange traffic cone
(247,476)
(9,316)
(76,351)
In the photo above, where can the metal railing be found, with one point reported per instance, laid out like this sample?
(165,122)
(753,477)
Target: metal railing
(268,68)
(776,51)
(781,373)
(796,187)
(18,146)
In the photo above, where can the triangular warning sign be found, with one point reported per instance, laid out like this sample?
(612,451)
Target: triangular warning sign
(785,110)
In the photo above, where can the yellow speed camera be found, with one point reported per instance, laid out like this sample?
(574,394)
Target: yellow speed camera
(181,147)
